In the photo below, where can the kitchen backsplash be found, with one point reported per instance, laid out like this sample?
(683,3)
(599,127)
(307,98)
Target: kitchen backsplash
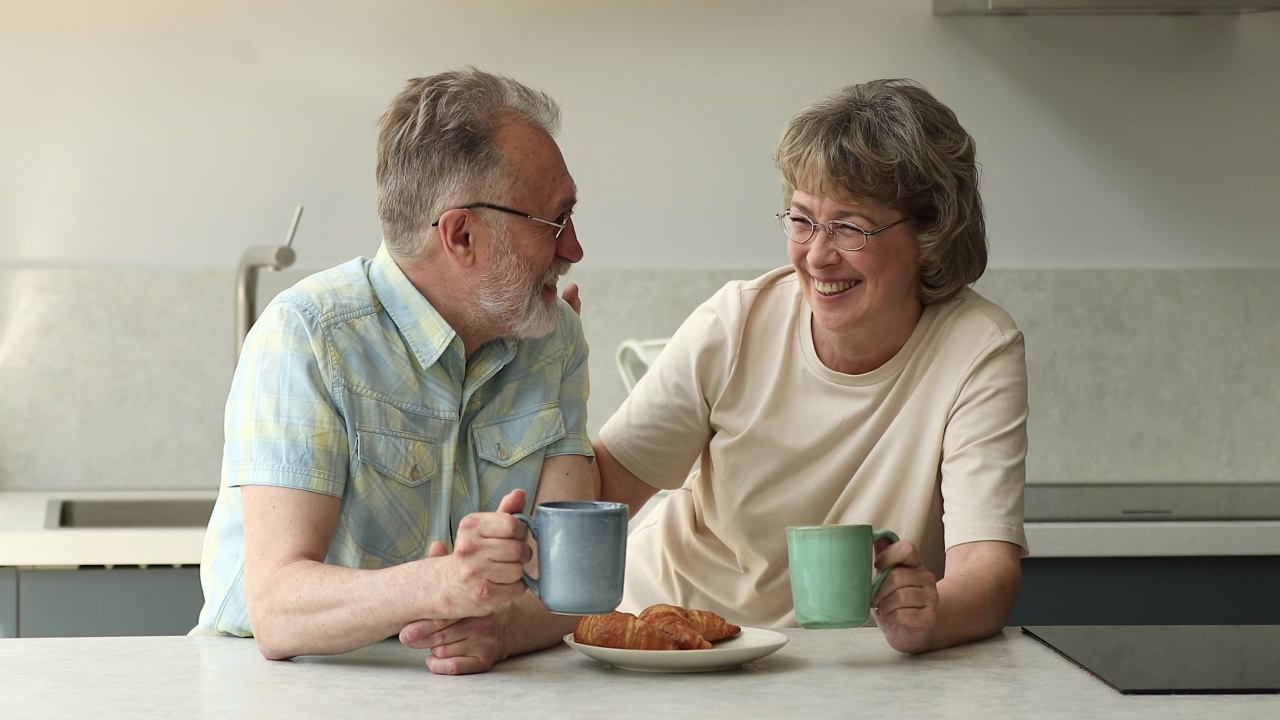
(116,378)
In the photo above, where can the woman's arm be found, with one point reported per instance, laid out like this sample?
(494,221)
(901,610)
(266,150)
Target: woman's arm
(615,483)
(916,613)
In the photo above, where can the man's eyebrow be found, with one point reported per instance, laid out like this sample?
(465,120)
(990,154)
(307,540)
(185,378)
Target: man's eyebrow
(570,202)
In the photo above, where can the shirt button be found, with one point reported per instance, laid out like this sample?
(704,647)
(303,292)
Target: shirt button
(502,453)
(415,473)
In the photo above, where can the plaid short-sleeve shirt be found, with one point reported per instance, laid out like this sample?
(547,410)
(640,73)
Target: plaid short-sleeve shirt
(350,384)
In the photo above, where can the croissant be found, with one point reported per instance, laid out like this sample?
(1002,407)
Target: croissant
(674,622)
(621,630)
(710,625)
(659,627)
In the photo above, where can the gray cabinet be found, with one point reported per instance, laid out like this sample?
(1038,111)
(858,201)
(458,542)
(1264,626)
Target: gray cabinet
(1149,591)
(8,603)
(102,602)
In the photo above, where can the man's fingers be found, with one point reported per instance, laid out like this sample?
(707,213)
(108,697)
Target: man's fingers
(513,502)
(416,633)
(436,550)
(460,665)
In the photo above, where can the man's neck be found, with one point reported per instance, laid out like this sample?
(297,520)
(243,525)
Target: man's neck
(451,300)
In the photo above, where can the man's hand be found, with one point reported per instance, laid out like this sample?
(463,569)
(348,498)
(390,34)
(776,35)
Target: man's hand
(906,606)
(472,642)
(486,568)
(458,647)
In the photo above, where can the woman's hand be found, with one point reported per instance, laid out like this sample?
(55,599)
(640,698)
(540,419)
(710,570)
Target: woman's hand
(570,296)
(906,606)
(980,590)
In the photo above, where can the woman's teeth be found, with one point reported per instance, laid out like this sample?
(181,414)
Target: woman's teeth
(832,288)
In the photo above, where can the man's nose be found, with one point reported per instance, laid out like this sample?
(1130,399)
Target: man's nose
(567,246)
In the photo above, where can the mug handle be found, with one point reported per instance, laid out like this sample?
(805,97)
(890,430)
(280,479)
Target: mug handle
(884,572)
(530,582)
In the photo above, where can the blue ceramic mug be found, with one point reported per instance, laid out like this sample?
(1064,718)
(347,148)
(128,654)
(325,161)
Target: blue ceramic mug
(582,553)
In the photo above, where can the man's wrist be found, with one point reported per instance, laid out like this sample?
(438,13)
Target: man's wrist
(504,618)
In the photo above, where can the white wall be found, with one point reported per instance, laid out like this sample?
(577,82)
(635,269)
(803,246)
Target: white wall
(145,143)
(164,133)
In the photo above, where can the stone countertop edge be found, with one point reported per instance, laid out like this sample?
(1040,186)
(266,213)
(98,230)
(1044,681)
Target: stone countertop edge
(1156,538)
(26,540)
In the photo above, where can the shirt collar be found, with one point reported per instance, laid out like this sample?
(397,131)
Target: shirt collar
(426,332)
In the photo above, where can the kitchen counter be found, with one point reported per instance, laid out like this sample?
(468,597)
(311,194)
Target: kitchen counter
(826,673)
(1153,519)
(30,536)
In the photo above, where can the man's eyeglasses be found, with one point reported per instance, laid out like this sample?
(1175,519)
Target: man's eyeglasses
(559,223)
(801,228)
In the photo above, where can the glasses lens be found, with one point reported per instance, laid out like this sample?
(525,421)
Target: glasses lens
(848,236)
(797,227)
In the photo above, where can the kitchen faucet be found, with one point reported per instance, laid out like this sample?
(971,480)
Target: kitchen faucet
(273,258)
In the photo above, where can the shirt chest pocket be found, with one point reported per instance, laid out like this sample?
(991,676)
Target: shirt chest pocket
(508,440)
(512,448)
(389,499)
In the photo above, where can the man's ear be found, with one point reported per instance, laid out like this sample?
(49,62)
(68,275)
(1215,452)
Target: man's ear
(454,233)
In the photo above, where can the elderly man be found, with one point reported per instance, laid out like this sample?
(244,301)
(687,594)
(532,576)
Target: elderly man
(389,415)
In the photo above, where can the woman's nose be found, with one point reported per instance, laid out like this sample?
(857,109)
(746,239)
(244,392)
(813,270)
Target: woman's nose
(822,250)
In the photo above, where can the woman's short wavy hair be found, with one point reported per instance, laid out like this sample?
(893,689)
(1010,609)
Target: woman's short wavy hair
(893,142)
(436,148)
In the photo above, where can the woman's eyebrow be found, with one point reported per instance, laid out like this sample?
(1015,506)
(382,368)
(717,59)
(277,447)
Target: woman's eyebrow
(840,214)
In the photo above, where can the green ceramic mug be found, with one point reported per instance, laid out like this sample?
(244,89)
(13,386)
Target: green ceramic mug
(831,566)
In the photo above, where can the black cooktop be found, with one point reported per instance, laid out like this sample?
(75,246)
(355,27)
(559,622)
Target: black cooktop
(1145,659)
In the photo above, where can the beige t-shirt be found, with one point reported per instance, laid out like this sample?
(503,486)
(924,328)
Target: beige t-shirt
(931,445)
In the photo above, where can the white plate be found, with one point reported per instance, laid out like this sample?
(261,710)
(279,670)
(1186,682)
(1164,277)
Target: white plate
(750,644)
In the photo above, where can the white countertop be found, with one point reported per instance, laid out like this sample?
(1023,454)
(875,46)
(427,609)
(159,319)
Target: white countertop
(818,674)
(30,537)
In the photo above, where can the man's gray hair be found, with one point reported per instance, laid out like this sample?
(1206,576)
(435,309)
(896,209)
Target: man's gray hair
(436,148)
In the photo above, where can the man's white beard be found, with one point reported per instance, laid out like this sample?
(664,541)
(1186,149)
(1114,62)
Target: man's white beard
(517,311)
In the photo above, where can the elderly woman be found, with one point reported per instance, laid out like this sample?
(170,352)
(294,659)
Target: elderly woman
(866,383)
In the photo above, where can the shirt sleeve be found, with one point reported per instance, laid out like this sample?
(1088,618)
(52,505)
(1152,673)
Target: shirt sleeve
(665,423)
(282,424)
(984,449)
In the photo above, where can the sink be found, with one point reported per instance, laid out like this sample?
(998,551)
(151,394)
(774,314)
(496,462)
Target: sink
(158,513)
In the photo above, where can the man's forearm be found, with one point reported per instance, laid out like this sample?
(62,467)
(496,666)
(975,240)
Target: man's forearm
(310,608)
